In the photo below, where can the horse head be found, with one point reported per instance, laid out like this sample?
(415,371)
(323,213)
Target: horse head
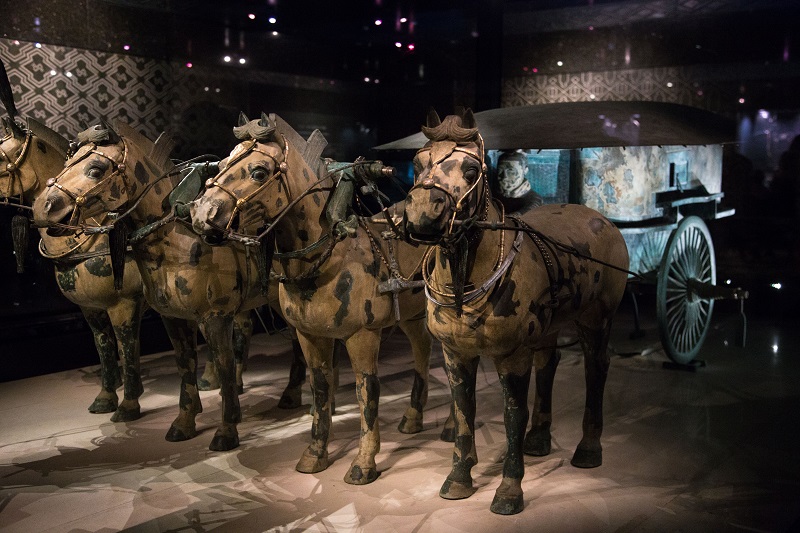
(96,184)
(450,185)
(28,156)
(246,191)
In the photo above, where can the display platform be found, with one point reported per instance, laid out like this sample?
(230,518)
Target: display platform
(710,450)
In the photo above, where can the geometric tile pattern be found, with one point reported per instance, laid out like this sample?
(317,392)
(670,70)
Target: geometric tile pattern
(663,84)
(67,87)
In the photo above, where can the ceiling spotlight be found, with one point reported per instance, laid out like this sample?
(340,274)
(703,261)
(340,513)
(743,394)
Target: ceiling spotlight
(227,59)
(53,72)
(242,61)
(68,74)
(741,100)
(251,16)
(275,33)
(272,20)
(189,65)
(378,22)
(411,46)
(560,63)
(398,44)
(126,47)
(403,20)
(366,79)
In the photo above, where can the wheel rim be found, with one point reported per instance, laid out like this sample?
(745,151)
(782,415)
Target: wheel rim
(683,317)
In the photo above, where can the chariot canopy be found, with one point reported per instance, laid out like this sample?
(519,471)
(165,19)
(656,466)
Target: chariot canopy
(591,125)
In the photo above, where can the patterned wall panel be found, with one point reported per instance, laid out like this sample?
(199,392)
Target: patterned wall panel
(65,87)
(666,84)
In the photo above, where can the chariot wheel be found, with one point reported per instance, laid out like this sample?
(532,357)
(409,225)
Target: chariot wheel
(683,315)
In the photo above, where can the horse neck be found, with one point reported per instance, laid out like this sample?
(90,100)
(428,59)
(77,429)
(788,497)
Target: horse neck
(43,164)
(305,222)
(149,201)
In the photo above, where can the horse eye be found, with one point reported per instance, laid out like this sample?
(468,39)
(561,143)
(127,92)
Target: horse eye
(259,174)
(471,175)
(95,173)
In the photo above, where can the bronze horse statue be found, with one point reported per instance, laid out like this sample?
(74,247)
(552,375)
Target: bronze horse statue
(331,281)
(30,155)
(502,287)
(119,182)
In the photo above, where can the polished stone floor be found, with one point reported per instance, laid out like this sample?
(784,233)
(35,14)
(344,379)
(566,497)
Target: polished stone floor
(713,450)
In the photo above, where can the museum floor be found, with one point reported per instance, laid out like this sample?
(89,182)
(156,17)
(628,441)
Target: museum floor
(711,450)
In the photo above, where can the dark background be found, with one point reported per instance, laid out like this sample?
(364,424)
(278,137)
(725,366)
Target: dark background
(463,53)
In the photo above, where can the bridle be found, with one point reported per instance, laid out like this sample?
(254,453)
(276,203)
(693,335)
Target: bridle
(458,225)
(281,167)
(80,198)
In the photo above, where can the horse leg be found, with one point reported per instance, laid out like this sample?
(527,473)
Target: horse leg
(363,349)
(210,378)
(449,429)
(242,332)
(461,375)
(420,339)
(589,452)
(110,377)
(126,318)
(292,396)
(318,352)
(183,335)
(537,441)
(515,379)
(218,330)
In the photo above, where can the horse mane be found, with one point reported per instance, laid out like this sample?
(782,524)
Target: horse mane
(157,152)
(451,129)
(48,136)
(310,150)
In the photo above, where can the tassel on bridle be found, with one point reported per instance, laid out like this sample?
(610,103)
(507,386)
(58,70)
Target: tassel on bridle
(19,236)
(458,270)
(118,247)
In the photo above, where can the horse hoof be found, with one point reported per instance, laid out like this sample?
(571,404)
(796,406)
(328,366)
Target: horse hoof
(175,434)
(103,405)
(311,464)
(123,414)
(584,458)
(223,443)
(410,425)
(507,505)
(290,399)
(205,385)
(448,435)
(456,490)
(537,443)
(357,476)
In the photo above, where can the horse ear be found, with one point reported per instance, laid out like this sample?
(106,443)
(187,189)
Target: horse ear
(113,136)
(468,119)
(243,120)
(264,120)
(433,118)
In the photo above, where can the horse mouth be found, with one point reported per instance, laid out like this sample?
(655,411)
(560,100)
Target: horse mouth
(62,227)
(213,238)
(424,238)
